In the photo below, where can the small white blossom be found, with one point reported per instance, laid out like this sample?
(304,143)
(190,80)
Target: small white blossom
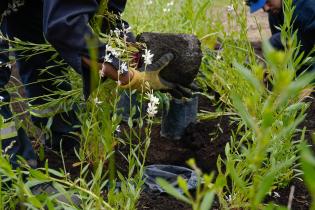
(97,101)
(1,98)
(147,57)
(149,2)
(228,198)
(170,4)
(123,68)
(218,57)
(117,32)
(10,146)
(116,53)
(112,51)
(276,195)
(118,129)
(8,65)
(107,58)
(230,8)
(109,48)
(166,10)
(152,109)
(126,30)
(101,73)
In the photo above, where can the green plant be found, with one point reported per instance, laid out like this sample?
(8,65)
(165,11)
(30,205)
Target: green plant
(203,196)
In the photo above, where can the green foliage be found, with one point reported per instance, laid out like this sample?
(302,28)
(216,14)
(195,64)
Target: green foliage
(260,157)
(202,198)
(308,167)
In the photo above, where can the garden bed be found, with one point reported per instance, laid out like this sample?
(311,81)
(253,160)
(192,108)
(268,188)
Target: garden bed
(203,141)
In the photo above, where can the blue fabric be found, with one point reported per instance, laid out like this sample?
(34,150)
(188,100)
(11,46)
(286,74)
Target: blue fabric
(304,15)
(66,27)
(26,24)
(254,6)
(304,22)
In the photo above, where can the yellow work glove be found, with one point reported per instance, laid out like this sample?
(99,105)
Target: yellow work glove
(150,75)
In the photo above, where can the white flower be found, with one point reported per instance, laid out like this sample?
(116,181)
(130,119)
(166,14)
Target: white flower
(101,73)
(116,53)
(147,57)
(276,195)
(10,146)
(166,10)
(97,101)
(8,65)
(123,68)
(118,129)
(152,109)
(230,8)
(218,57)
(126,29)
(112,50)
(109,48)
(107,58)
(117,32)
(1,98)
(170,4)
(228,198)
(149,2)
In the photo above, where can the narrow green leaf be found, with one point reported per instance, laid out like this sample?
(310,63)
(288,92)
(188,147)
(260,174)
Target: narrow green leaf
(172,190)
(207,201)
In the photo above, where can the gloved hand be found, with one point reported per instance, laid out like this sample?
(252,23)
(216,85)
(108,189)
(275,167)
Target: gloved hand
(150,74)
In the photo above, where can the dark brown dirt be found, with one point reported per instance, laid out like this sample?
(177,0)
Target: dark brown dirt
(301,198)
(197,144)
(204,141)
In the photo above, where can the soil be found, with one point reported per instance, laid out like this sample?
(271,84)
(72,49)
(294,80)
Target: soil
(204,141)
(199,144)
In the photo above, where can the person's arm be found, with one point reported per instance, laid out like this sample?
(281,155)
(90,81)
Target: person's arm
(66,27)
(275,41)
(305,23)
(275,21)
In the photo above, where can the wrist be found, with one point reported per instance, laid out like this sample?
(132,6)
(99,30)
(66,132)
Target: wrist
(126,78)
(111,72)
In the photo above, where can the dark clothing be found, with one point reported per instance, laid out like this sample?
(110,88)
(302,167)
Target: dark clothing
(14,139)
(65,24)
(304,22)
(66,27)
(275,20)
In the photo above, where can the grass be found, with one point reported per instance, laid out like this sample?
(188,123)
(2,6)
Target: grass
(261,156)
